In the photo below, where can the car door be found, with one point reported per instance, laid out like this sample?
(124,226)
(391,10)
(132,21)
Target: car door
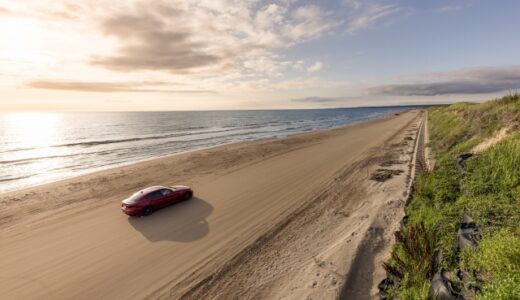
(156,199)
(177,196)
(168,197)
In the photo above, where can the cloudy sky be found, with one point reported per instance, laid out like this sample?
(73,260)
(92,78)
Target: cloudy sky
(254,54)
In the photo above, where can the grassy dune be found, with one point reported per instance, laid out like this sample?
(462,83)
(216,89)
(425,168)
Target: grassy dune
(488,191)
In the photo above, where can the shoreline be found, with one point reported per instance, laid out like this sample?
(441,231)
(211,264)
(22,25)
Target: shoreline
(121,165)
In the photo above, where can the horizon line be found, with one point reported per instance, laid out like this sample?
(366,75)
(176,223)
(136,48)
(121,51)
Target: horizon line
(211,110)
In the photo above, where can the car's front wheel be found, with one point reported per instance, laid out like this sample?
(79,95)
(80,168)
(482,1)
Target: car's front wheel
(187,196)
(147,210)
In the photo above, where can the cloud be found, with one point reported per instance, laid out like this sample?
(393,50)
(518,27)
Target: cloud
(270,15)
(150,43)
(314,100)
(268,65)
(467,81)
(353,4)
(107,87)
(209,44)
(452,7)
(364,14)
(4,11)
(371,16)
(309,22)
(445,88)
(315,67)
(208,37)
(299,84)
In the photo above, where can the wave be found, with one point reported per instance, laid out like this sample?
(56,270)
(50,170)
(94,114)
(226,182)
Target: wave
(29,159)
(124,140)
(248,126)
(13,178)
(189,140)
(186,131)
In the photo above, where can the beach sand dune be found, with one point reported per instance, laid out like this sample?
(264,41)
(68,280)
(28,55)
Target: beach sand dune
(278,218)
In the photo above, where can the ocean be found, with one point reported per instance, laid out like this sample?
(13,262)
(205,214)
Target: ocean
(37,148)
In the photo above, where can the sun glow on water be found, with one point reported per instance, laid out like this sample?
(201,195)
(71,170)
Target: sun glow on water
(32,134)
(31,130)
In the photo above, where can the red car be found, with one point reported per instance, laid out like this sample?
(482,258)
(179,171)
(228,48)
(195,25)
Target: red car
(153,198)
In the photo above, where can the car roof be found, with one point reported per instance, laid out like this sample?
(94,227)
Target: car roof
(151,189)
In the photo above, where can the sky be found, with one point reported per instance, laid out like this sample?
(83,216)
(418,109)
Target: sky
(120,55)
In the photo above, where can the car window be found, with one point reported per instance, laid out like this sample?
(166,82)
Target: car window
(166,192)
(154,195)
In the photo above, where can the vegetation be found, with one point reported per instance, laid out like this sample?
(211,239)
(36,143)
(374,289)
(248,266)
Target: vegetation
(497,260)
(488,190)
(413,255)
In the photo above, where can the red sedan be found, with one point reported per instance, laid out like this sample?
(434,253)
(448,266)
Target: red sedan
(153,198)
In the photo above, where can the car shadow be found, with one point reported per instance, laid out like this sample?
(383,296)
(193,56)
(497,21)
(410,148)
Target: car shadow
(181,222)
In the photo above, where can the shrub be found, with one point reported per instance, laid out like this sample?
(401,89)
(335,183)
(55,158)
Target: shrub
(412,259)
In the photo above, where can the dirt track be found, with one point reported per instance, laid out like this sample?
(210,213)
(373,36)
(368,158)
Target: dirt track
(292,204)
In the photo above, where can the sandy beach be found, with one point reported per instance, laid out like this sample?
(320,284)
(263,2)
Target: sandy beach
(311,215)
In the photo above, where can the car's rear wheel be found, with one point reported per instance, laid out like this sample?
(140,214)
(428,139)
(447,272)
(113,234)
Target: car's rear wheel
(147,210)
(187,196)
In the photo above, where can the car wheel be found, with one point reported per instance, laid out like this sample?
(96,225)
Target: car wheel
(147,210)
(187,196)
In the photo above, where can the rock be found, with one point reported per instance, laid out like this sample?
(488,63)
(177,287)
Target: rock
(440,288)
(461,158)
(382,175)
(469,288)
(437,260)
(404,221)
(468,233)
(466,219)
(383,288)
(334,281)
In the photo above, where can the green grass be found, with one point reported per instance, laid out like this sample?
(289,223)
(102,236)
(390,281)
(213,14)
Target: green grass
(460,126)
(489,192)
(497,260)
(496,171)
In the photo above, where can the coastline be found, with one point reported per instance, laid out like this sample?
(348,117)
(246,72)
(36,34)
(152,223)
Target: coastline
(241,191)
(121,165)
